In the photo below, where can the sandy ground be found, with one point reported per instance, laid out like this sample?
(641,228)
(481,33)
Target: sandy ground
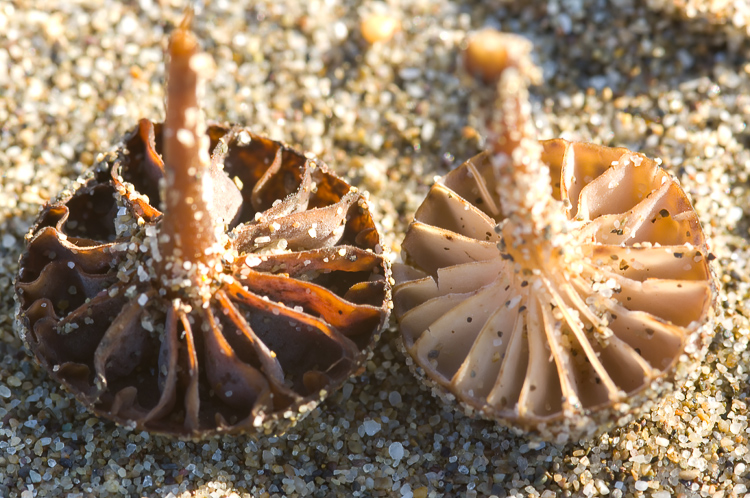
(674,84)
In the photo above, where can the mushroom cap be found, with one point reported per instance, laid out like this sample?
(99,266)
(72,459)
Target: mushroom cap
(561,344)
(301,297)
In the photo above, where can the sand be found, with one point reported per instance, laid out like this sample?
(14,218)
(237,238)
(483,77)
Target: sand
(672,82)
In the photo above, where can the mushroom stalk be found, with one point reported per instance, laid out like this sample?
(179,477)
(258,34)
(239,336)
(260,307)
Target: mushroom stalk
(523,179)
(187,232)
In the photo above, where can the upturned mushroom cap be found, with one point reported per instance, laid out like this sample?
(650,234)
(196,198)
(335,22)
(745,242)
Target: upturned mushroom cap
(300,299)
(567,345)
(561,309)
(235,300)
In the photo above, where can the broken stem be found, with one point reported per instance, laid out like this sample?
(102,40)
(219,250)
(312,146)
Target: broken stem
(524,187)
(187,232)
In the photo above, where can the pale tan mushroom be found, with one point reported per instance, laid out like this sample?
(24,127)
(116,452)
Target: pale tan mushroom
(553,286)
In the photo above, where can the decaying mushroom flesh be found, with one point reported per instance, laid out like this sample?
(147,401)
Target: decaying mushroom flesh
(234,300)
(555,315)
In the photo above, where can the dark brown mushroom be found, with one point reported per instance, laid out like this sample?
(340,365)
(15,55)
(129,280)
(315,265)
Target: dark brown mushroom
(192,294)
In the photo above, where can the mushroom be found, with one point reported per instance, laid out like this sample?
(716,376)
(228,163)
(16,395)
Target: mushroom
(554,287)
(192,294)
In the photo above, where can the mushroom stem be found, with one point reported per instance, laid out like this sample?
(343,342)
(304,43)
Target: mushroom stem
(523,180)
(187,231)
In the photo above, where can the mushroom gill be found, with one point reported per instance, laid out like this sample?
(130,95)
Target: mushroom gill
(189,294)
(552,286)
